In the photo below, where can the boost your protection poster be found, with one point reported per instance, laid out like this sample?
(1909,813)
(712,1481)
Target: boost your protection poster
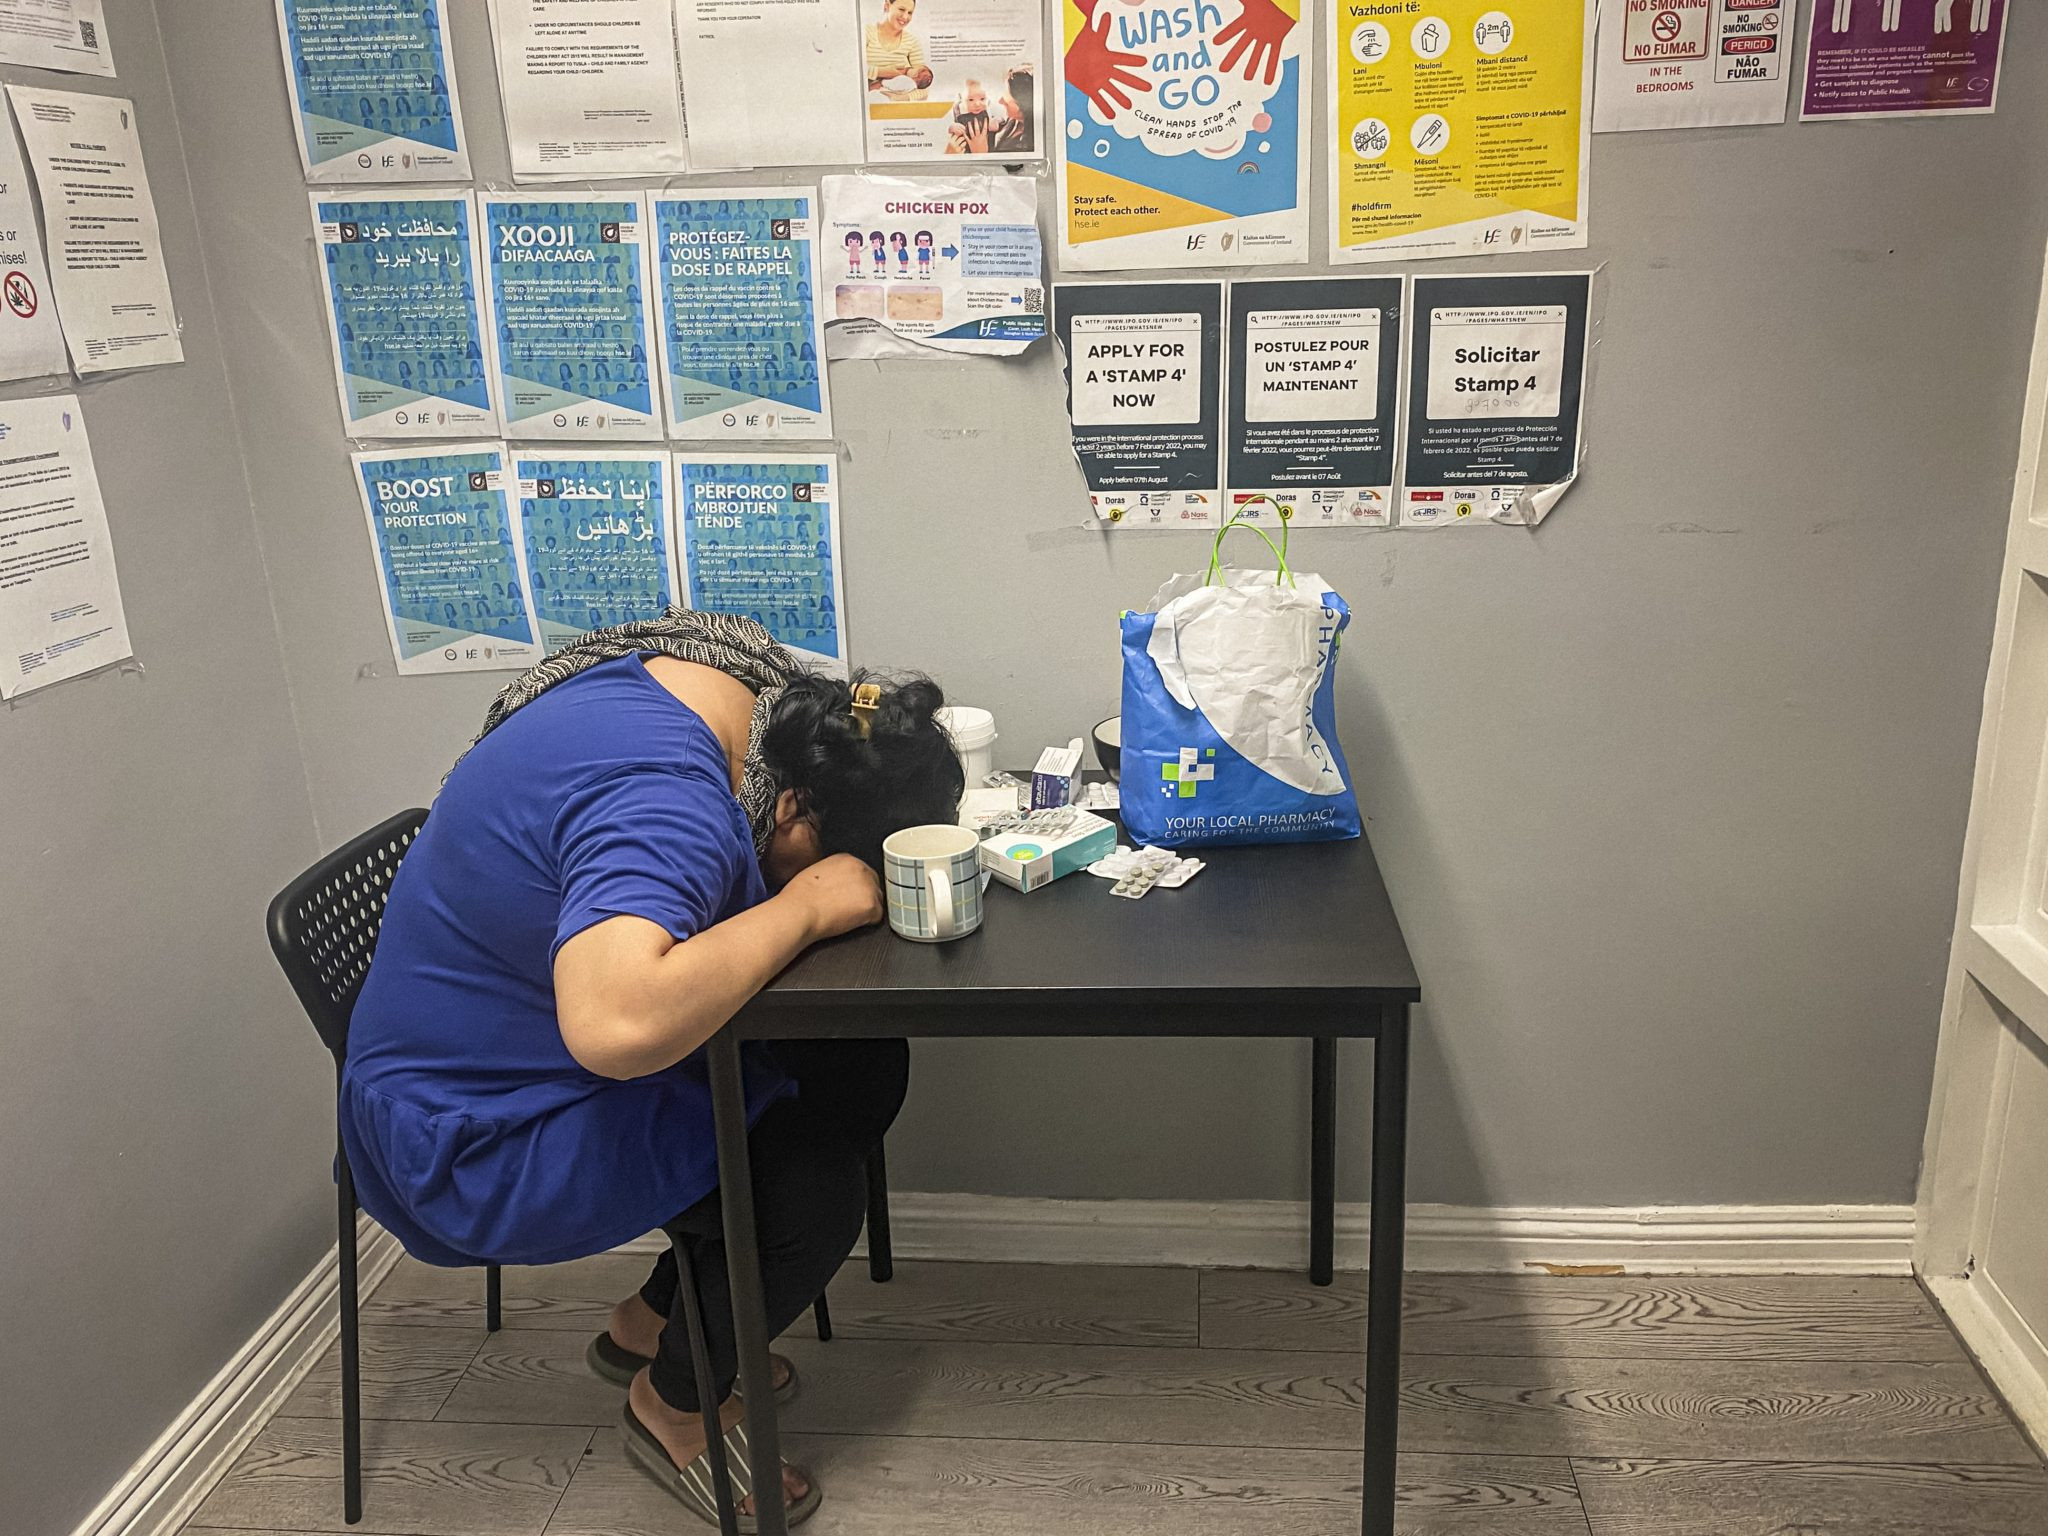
(373,90)
(742,343)
(405,315)
(1144,398)
(1458,128)
(760,537)
(1315,365)
(448,562)
(1496,390)
(572,339)
(1183,133)
(599,549)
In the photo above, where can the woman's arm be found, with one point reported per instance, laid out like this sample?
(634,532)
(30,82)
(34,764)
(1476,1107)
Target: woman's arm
(632,1000)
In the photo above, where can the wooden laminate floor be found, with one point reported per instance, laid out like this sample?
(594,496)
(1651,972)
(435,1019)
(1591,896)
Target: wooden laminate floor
(1013,1400)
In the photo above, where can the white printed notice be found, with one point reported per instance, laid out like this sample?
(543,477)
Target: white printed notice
(449,565)
(770,84)
(31,345)
(590,87)
(1313,399)
(69,35)
(60,600)
(952,77)
(1692,63)
(106,252)
(1496,386)
(933,266)
(1144,366)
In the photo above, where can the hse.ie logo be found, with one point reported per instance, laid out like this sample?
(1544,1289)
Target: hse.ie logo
(1196,765)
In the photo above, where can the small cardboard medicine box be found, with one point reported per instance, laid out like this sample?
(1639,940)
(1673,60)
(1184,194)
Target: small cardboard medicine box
(1028,862)
(1056,781)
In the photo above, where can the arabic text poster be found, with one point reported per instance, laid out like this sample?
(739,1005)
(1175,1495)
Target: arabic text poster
(572,338)
(448,559)
(599,549)
(1496,390)
(590,88)
(1314,391)
(760,537)
(770,84)
(951,77)
(1183,133)
(931,267)
(68,35)
(60,596)
(1903,58)
(1459,129)
(1693,63)
(373,90)
(404,315)
(1144,398)
(742,340)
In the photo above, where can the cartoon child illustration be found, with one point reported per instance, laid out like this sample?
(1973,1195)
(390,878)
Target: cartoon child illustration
(901,246)
(854,246)
(924,253)
(878,255)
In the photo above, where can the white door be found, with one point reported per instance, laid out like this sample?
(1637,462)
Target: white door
(1982,1245)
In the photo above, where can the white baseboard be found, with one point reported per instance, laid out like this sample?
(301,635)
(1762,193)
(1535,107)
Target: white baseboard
(2011,1353)
(162,1489)
(1273,1234)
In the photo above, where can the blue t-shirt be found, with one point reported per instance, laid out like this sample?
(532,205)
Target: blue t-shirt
(473,1133)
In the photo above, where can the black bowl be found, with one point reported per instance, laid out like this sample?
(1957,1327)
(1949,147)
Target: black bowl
(1110,753)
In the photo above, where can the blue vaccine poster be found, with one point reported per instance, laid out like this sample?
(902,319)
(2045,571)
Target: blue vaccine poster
(405,316)
(572,343)
(448,563)
(742,343)
(760,537)
(598,546)
(373,90)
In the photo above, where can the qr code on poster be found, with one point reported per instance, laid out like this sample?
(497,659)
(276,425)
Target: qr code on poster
(89,35)
(1034,301)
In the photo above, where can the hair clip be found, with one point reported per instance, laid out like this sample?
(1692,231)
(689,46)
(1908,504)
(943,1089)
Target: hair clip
(866,698)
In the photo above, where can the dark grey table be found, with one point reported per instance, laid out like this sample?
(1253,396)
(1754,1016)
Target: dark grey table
(1297,941)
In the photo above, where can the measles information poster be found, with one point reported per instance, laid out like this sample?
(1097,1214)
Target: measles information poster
(742,339)
(1692,63)
(1459,128)
(1144,399)
(951,77)
(1903,58)
(933,267)
(1183,133)
(448,559)
(760,537)
(1313,395)
(405,314)
(1496,391)
(571,317)
(597,539)
(373,90)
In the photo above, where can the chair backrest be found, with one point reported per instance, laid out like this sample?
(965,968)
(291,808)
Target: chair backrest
(323,926)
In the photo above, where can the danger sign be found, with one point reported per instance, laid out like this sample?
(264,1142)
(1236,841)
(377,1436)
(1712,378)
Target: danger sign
(1658,31)
(21,295)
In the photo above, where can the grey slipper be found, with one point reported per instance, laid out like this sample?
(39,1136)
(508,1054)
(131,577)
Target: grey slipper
(692,1485)
(613,1362)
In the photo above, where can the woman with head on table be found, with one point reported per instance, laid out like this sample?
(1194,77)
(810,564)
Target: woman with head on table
(895,55)
(653,824)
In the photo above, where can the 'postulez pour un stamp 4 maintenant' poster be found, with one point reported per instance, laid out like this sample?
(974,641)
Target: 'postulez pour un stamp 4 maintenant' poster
(1183,133)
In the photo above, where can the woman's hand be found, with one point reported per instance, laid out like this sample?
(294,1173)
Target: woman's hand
(837,894)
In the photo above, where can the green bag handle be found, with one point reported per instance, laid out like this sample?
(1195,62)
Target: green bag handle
(1279,550)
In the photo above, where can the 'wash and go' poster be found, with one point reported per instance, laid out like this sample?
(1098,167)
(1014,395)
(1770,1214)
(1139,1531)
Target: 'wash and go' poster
(1183,133)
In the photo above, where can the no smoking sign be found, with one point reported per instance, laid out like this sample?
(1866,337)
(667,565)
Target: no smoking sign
(1659,31)
(21,296)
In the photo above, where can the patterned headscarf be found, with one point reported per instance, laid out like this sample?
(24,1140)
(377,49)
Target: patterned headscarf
(738,647)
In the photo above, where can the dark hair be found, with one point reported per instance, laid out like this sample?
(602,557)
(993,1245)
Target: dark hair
(903,773)
(1023,90)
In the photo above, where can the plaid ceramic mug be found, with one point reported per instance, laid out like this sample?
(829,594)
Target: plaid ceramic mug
(934,882)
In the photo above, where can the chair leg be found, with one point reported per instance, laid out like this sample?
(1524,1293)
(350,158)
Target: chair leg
(822,1313)
(700,1366)
(494,1299)
(881,1259)
(351,1364)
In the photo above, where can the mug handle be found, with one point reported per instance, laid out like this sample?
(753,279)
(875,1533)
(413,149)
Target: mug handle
(938,884)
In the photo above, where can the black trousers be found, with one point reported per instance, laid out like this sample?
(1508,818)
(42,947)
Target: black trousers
(809,1157)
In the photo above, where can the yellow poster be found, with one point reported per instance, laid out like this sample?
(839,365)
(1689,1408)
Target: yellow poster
(1459,127)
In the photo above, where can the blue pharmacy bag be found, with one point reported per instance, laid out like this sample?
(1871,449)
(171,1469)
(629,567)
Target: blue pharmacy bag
(1230,710)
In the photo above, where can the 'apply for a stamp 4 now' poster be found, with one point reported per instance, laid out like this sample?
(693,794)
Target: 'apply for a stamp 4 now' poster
(1183,133)
(1459,127)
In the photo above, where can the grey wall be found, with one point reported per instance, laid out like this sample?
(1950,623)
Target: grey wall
(161,1104)
(1670,793)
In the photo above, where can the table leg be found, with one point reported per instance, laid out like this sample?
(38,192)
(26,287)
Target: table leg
(1322,1161)
(1383,1284)
(743,1271)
